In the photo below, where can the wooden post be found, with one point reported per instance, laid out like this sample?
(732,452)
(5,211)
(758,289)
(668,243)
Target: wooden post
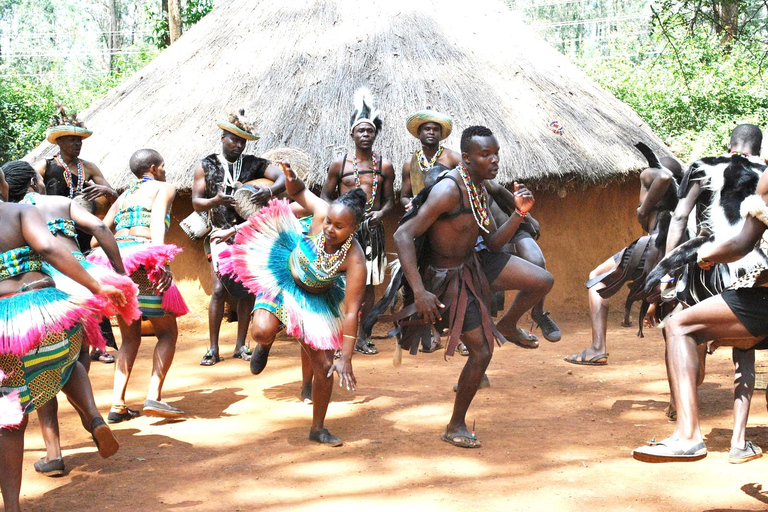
(174,19)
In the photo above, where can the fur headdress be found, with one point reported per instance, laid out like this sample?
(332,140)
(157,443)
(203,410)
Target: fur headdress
(66,124)
(364,110)
(240,127)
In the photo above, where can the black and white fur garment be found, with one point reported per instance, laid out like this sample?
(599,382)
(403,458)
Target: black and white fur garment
(725,182)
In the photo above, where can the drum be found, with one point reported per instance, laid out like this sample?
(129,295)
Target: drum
(98,207)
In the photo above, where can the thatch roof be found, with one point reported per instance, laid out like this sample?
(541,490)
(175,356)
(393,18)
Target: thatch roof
(294,66)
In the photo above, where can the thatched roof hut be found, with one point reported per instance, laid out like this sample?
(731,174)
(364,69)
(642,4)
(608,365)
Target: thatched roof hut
(294,67)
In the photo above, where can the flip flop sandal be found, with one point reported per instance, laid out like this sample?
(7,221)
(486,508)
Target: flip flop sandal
(462,349)
(210,358)
(669,450)
(106,358)
(524,339)
(461,440)
(581,359)
(368,348)
(243,353)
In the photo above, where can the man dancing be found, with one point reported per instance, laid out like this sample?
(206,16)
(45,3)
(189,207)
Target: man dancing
(216,178)
(376,176)
(430,127)
(447,275)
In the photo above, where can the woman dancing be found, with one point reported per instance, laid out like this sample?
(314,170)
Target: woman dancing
(62,216)
(41,334)
(300,282)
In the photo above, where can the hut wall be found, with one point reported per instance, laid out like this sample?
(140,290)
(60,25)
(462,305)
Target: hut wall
(579,231)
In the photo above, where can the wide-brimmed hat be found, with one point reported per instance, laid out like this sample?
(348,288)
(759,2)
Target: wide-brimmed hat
(239,127)
(63,124)
(428,115)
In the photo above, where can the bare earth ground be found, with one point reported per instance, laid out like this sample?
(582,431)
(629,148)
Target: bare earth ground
(556,437)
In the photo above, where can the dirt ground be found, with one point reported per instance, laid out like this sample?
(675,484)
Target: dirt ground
(555,437)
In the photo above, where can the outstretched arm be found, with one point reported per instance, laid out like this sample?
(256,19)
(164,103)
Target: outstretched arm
(36,234)
(94,226)
(296,189)
(680,217)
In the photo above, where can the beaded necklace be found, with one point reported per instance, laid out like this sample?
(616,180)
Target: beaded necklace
(425,164)
(477,198)
(739,153)
(369,203)
(68,175)
(330,263)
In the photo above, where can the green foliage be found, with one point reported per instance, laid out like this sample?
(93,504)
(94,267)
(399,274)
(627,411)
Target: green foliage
(192,12)
(25,108)
(693,91)
(195,10)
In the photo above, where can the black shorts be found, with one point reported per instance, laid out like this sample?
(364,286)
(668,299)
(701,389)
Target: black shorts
(750,305)
(491,263)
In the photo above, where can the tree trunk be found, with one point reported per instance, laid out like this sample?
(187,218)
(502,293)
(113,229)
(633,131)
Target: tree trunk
(729,16)
(174,19)
(112,44)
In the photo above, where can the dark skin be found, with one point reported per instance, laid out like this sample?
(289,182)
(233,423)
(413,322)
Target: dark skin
(232,147)
(158,196)
(364,135)
(338,224)
(23,225)
(70,147)
(452,243)
(430,135)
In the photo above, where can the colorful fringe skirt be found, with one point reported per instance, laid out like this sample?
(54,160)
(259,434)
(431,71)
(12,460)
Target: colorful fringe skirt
(104,275)
(41,335)
(260,259)
(144,262)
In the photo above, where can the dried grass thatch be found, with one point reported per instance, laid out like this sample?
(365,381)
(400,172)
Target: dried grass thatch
(294,66)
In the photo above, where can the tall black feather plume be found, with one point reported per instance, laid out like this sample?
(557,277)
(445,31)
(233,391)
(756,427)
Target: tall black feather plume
(653,160)
(685,253)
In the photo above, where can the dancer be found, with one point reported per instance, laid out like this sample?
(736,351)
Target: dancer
(375,176)
(658,198)
(447,276)
(430,127)
(42,333)
(216,178)
(63,216)
(141,216)
(736,317)
(301,280)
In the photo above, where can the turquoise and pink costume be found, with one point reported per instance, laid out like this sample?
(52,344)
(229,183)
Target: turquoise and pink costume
(261,259)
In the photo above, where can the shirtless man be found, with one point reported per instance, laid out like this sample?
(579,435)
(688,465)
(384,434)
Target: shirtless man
(212,191)
(376,176)
(658,193)
(430,127)
(449,268)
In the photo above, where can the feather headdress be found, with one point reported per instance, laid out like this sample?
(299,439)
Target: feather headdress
(239,126)
(65,124)
(365,111)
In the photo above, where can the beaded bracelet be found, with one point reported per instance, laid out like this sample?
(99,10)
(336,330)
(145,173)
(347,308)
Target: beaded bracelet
(521,213)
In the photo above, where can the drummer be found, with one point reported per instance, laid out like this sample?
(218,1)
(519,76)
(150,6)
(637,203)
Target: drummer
(67,175)
(217,176)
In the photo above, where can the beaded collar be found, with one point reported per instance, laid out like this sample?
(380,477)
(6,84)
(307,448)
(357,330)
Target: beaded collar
(425,164)
(330,263)
(372,199)
(68,175)
(477,198)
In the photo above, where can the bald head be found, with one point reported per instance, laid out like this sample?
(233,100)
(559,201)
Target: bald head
(746,138)
(142,160)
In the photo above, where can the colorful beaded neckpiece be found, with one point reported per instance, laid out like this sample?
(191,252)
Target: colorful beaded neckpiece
(68,175)
(369,203)
(330,263)
(425,164)
(477,198)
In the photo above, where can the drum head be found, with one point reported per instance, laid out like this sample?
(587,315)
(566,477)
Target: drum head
(243,204)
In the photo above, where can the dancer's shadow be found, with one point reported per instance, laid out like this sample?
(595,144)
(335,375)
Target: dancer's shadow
(204,403)
(719,439)
(289,392)
(621,406)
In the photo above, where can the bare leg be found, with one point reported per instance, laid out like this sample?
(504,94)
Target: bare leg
(708,320)
(80,395)
(216,312)
(48,415)
(244,309)
(363,345)
(126,356)
(306,375)
(167,332)
(743,387)
(11,459)
(529,250)
(469,381)
(532,281)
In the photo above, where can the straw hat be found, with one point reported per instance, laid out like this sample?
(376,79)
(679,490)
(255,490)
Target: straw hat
(241,128)
(301,161)
(63,125)
(428,115)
